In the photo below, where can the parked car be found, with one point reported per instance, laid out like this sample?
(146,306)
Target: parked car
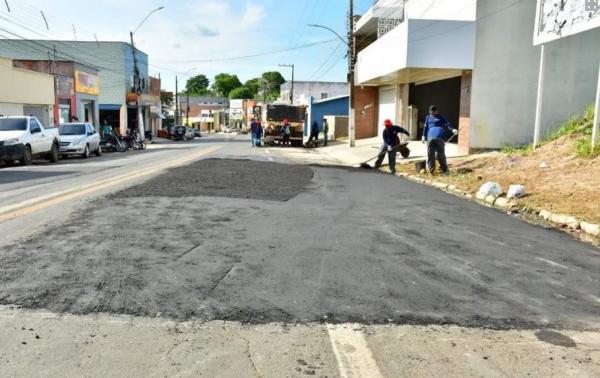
(189,133)
(178,133)
(79,139)
(23,138)
(196,133)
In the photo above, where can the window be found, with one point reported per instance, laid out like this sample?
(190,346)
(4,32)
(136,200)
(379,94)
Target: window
(323,95)
(13,124)
(34,126)
(72,129)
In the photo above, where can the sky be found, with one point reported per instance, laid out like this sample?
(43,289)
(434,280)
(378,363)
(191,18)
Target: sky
(190,37)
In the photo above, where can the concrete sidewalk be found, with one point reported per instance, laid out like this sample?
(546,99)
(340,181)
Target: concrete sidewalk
(339,152)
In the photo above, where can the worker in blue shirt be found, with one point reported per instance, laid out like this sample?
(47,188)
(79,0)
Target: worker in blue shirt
(436,129)
(391,140)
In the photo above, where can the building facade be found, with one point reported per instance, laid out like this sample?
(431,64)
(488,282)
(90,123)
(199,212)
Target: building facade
(413,54)
(320,109)
(305,90)
(206,113)
(76,87)
(118,101)
(25,92)
(506,73)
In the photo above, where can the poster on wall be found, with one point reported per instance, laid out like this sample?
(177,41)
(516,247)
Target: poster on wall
(87,83)
(556,19)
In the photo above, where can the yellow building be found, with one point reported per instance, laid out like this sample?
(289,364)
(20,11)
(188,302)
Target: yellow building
(24,92)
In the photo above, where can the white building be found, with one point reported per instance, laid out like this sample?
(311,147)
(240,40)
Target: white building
(413,54)
(304,90)
(506,76)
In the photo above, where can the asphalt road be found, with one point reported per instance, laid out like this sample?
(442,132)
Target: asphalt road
(265,241)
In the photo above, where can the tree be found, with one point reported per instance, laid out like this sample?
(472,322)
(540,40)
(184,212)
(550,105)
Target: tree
(197,85)
(225,83)
(241,93)
(254,85)
(272,83)
(166,99)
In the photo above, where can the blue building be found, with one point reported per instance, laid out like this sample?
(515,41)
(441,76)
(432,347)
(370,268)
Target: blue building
(334,106)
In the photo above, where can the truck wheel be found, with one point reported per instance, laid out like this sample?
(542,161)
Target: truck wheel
(53,156)
(26,159)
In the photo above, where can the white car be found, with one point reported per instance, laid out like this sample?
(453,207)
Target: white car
(23,138)
(79,139)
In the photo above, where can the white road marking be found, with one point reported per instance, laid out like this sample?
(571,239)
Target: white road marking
(550,262)
(352,353)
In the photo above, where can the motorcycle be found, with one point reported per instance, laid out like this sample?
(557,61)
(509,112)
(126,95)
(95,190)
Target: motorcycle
(113,142)
(134,141)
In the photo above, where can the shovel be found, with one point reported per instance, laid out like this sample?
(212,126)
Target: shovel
(402,147)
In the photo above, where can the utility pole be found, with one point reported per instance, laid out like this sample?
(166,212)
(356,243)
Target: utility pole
(137,90)
(292,66)
(176,101)
(351,65)
(187,109)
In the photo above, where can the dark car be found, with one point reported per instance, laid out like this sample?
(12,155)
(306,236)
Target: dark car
(178,133)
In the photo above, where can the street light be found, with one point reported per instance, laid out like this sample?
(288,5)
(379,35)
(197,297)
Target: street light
(136,73)
(351,62)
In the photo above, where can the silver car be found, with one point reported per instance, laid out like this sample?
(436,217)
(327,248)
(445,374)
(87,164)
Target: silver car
(79,139)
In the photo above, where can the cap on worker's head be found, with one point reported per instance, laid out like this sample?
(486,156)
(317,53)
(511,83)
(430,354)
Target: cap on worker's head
(433,108)
(388,123)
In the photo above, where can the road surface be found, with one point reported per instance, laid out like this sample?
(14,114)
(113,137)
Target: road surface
(233,253)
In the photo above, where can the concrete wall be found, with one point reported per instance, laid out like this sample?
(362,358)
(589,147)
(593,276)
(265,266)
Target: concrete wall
(23,87)
(460,10)
(304,90)
(506,74)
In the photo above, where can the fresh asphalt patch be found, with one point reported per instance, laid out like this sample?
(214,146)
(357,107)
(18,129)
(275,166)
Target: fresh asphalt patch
(232,178)
(260,242)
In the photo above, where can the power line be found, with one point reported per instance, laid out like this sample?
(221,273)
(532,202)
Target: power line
(242,57)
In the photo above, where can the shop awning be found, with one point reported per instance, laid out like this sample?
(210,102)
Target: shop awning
(113,107)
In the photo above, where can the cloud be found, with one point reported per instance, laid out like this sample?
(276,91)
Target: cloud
(206,32)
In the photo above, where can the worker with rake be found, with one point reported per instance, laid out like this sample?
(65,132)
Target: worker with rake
(436,128)
(391,141)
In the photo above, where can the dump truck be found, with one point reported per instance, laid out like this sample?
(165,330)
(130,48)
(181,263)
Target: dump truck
(274,115)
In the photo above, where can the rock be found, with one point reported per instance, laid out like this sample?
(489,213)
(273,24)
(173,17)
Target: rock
(516,191)
(565,220)
(590,228)
(502,203)
(545,214)
(543,165)
(490,200)
(491,189)
(440,185)
(480,196)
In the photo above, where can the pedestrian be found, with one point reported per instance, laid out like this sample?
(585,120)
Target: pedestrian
(286,132)
(253,131)
(314,134)
(106,129)
(390,142)
(259,133)
(325,132)
(436,129)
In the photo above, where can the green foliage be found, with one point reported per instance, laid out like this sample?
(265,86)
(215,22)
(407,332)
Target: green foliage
(166,99)
(225,83)
(197,85)
(241,93)
(516,150)
(272,81)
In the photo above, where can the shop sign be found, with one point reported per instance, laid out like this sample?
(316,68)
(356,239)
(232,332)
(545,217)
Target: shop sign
(87,83)
(131,99)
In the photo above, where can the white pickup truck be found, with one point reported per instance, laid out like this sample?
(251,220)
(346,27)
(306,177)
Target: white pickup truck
(23,138)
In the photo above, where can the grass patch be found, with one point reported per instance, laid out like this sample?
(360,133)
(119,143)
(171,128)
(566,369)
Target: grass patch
(579,125)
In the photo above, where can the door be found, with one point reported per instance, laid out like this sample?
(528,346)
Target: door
(387,107)
(93,138)
(37,142)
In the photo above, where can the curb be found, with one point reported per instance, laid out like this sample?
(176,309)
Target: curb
(560,221)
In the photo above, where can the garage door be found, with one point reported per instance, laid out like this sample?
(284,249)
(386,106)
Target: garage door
(39,111)
(387,107)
